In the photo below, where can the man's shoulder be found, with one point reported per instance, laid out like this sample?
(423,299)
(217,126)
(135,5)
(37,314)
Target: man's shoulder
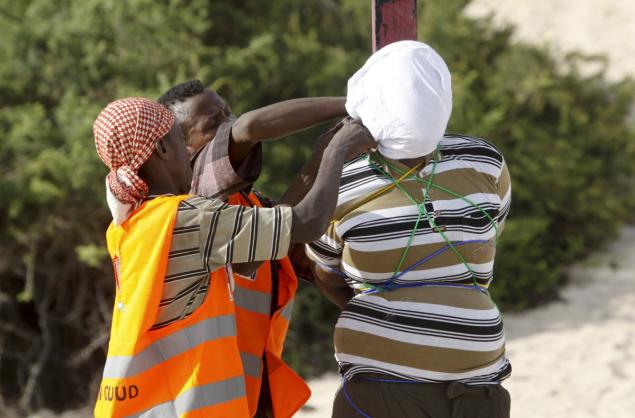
(361,162)
(195,203)
(469,147)
(355,172)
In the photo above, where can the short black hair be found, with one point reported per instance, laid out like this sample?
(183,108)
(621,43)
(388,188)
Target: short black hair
(180,92)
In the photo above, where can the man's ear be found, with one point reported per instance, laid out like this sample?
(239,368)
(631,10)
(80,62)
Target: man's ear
(161,149)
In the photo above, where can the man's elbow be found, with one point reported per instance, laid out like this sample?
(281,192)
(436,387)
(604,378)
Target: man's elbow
(314,234)
(245,129)
(307,229)
(306,234)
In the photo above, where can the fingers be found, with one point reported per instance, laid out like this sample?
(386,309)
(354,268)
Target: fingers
(333,130)
(365,136)
(325,138)
(368,141)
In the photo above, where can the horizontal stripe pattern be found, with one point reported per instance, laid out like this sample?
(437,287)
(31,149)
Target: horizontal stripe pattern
(423,341)
(179,342)
(287,311)
(443,328)
(495,373)
(253,300)
(208,234)
(252,364)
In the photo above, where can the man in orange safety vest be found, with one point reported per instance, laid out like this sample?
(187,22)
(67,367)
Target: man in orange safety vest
(173,350)
(226,160)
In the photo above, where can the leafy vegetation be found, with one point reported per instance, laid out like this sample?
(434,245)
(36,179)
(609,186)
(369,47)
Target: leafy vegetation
(564,134)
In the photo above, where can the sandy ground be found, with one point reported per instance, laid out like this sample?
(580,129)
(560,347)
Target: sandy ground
(572,359)
(591,26)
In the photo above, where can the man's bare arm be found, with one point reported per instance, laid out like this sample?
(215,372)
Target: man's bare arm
(280,119)
(332,286)
(305,179)
(313,213)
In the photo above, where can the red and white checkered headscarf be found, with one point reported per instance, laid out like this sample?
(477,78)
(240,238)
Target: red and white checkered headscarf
(126,132)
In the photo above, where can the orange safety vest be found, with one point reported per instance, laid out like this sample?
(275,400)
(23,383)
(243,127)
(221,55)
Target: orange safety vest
(262,333)
(192,368)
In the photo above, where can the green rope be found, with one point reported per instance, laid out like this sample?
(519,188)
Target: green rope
(444,189)
(423,211)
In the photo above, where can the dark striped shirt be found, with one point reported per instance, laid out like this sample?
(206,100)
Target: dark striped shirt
(210,234)
(433,320)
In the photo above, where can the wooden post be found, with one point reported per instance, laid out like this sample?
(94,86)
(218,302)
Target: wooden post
(393,20)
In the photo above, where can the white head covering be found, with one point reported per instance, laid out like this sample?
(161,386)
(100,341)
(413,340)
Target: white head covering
(403,95)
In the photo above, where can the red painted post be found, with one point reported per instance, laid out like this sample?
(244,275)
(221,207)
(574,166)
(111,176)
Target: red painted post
(393,20)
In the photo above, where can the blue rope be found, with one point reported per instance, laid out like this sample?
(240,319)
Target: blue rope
(355,407)
(350,401)
(335,271)
(432,284)
(390,284)
(437,252)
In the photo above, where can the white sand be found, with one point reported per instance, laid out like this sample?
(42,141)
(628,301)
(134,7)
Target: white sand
(591,26)
(572,359)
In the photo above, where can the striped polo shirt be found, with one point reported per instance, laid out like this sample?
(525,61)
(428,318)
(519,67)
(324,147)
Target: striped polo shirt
(210,234)
(432,319)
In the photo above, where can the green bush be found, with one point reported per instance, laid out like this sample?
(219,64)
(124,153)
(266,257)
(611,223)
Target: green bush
(564,135)
(61,61)
(524,277)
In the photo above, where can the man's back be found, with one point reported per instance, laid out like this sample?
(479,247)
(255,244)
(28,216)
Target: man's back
(431,301)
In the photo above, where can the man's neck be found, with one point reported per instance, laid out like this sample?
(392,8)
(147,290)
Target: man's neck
(158,191)
(160,183)
(413,162)
(158,179)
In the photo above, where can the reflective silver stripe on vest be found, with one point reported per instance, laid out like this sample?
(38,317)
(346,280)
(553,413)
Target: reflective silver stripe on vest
(288,310)
(198,397)
(164,410)
(170,346)
(252,300)
(251,364)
